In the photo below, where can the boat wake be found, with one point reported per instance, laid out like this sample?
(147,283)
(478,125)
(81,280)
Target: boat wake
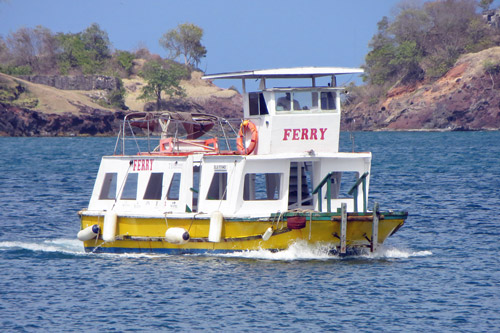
(67,246)
(297,251)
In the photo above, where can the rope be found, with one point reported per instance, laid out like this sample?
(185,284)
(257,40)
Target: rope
(225,189)
(123,184)
(166,221)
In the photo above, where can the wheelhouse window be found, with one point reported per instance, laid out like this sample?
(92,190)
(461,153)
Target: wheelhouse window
(328,100)
(130,187)
(257,104)
(108,189)
(218,187)
(283,101)
(306,101)
(174,187)
(153,190)
(262,186)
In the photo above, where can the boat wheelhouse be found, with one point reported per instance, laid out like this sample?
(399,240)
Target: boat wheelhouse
(209,184)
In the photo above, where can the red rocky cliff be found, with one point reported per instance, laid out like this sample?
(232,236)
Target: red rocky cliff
(466,98)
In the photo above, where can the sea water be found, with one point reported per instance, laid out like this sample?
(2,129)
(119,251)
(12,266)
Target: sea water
(440,272)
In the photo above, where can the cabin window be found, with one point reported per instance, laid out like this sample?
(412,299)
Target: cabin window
(153,190)
(218,187)
(174,188)
(262,186)
(108,189)
(328,101)
(130,188)
(257,104)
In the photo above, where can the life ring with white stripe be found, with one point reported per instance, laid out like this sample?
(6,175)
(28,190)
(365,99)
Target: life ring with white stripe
(246,126)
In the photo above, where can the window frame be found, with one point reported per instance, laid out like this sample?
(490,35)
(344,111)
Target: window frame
(247,187)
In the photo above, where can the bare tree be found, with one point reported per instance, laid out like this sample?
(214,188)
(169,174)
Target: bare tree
(33,47)
(185,40)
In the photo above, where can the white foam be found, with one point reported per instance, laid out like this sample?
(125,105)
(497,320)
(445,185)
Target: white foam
(297,251)
(395,253)
(305,251)
(69,246)
(72,246)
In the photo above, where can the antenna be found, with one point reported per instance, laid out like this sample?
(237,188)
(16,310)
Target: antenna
(351,135)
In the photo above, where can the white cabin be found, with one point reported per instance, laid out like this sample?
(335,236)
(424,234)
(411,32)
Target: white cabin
(297,149)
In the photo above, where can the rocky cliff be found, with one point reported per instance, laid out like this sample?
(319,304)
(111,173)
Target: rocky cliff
(466,98)
(16,121)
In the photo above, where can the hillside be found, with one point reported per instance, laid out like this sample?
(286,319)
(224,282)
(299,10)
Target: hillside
(31,109)
(467,97)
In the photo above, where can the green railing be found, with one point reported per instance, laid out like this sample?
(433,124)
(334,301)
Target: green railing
(353,191)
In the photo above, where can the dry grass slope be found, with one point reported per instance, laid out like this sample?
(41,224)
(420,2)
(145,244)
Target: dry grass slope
(52,100)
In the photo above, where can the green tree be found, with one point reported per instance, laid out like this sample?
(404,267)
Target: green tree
(185,40)
(73,54)
(378,69)
(160,79)
(124,59)
(407,62)
(87,50)
(485,4)
(96,43)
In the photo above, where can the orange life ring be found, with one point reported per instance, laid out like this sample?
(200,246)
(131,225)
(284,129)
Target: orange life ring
(245,126)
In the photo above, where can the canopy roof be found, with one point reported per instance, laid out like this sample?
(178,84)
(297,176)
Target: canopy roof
(286,73)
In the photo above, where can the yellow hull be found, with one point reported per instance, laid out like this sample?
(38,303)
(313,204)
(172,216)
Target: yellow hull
(147,235)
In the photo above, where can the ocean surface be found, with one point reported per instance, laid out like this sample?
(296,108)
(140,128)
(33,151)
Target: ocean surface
(440,272)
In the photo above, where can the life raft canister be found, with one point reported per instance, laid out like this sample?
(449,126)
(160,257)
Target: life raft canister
(296,222)
(245,126)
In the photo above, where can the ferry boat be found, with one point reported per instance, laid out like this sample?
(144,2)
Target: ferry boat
(198,183)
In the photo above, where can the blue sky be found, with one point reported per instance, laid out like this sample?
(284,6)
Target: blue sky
(239,35)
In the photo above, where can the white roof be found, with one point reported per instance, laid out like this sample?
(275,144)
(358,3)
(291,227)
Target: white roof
(286,73)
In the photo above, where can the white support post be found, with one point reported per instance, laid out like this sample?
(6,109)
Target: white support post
(343,228)
(374,242)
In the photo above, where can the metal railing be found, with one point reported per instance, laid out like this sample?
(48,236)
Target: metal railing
(353,191)
(156,125)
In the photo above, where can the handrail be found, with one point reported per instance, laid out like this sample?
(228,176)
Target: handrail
(321,183)
(356,184)
(353,191)
(327,178)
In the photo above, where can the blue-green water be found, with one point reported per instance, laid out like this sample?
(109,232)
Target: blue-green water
(440,272)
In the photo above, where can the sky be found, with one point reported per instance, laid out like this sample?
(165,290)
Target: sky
(238,35)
